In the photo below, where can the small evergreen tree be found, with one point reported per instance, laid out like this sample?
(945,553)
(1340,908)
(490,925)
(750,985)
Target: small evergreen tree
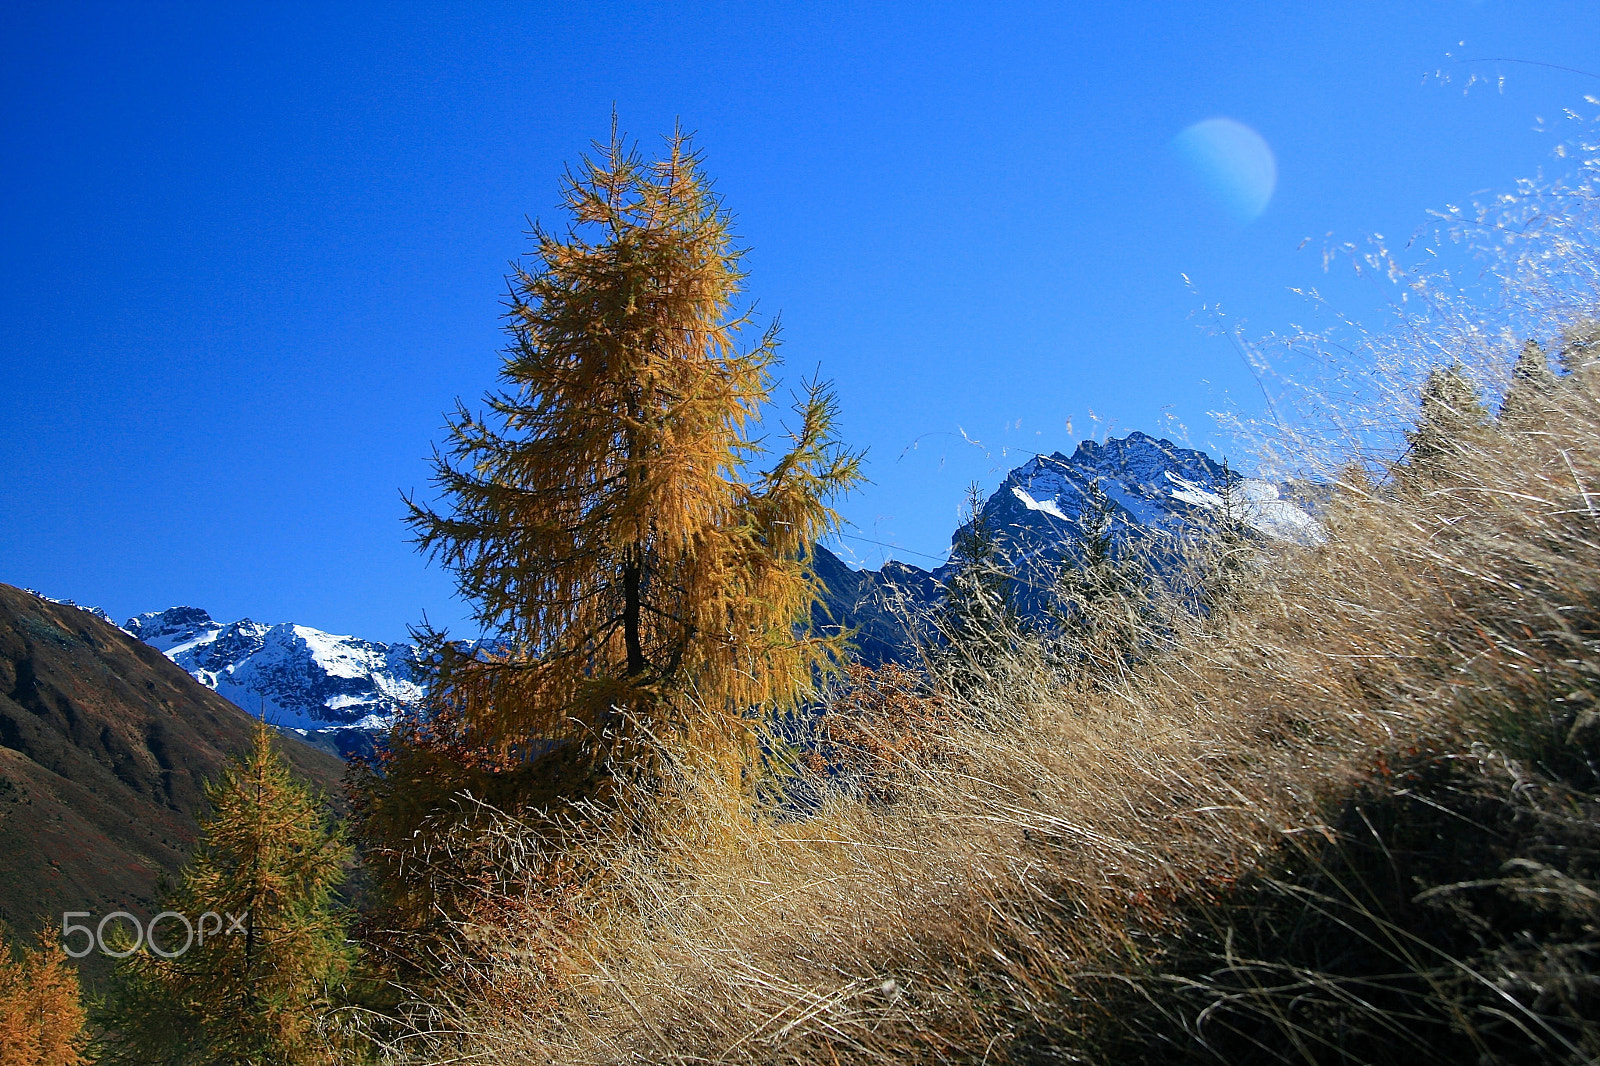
(1580,352)
(977,619)
(1529,391)
(257,988)
(1103,596)
(41,1009)
(1227,549)
(1451,421)
(1091,573)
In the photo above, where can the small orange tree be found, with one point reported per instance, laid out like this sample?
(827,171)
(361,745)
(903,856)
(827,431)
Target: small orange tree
(880,723)
(41,1009)
(641,584)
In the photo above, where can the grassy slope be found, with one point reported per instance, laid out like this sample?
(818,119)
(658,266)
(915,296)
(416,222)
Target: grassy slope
(1353,820)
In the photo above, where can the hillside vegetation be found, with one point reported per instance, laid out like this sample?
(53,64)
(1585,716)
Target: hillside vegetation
(105,746)
(1328,802)
(1349,817)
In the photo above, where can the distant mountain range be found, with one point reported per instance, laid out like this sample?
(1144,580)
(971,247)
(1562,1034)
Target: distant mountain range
(337,691)
(334,690)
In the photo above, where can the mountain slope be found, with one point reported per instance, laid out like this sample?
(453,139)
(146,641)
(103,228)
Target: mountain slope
(104,747)
(873,604)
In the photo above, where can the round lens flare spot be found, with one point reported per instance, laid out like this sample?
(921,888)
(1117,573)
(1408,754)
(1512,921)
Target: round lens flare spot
(1232,163)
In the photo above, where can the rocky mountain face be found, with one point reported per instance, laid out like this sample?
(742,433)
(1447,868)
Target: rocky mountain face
(104,747)
(874,603)
(1153,491)
(1154,488)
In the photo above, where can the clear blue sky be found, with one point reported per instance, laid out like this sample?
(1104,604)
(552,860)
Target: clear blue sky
(252,252)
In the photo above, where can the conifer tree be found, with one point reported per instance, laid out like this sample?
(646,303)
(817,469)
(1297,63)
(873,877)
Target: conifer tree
(1580,352)
(639,578)
(1531,384)
(980,587)
(1451,421)
(41,1009)
(1103,596)
(1097,527)
(1093,575)
(978,617)
(256,987)
(1229,545)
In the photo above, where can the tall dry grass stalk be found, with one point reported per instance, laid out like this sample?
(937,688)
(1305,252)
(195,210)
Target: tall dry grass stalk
(1230,850)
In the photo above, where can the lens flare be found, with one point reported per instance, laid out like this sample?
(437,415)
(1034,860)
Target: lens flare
(1233,163)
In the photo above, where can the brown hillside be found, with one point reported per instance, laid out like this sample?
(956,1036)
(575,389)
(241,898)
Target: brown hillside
(104,748)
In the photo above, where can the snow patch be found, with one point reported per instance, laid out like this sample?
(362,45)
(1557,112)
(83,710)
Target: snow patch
(1262,507)
(1189,492)
(1143,511)
(1047,506)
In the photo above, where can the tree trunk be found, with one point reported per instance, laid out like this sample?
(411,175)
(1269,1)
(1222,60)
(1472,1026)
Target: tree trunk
(630,619)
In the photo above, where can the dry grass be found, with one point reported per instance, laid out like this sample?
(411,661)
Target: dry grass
(1069,866)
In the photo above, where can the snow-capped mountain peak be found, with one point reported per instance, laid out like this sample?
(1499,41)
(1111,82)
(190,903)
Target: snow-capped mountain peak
(173,627)
(1150,484)
(299,677)
(1154,492)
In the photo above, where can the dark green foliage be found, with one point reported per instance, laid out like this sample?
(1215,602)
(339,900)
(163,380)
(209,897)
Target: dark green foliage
(1451,421)
(414,805)
(1227,557)
(1104,598)
(978,619)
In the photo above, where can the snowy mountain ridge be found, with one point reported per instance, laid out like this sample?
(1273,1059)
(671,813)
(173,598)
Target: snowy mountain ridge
(1154,491)
(1152,483)
(301,678)
(337,692)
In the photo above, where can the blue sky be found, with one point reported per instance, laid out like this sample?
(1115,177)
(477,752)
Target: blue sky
(251,253)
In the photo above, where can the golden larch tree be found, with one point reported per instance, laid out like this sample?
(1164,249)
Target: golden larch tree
(641,575)
(259,988)
(41,1008)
